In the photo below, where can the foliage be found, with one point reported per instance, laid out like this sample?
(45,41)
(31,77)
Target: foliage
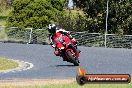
(72,21)
(120,15)
(34,13)
(5,8)
(39,13)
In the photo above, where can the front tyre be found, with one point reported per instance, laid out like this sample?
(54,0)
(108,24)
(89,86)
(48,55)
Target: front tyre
(72,59)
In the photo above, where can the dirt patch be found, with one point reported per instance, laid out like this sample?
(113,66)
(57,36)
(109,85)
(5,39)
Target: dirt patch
(34,82)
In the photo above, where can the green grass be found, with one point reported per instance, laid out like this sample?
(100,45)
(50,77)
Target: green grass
(7,64)
(75,85)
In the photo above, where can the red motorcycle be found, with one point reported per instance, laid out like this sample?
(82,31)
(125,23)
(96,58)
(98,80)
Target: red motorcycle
(67,48)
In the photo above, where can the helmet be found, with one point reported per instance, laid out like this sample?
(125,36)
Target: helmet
(52,28)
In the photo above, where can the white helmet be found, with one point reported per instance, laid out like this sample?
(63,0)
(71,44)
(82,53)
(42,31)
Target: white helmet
(52,28)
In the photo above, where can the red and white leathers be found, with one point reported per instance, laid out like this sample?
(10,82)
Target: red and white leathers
(56,37)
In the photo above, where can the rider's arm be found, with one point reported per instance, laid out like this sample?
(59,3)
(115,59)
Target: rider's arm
(67,34)
(52,43)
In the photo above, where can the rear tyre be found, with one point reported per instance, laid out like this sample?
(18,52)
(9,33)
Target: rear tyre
(72,59)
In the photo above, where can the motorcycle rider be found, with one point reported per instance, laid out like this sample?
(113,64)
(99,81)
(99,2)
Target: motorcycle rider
(52,28)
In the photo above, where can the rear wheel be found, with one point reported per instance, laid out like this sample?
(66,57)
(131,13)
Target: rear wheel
(72,59)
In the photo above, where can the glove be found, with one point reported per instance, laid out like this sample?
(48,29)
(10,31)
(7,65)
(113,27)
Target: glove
(53,45)
(70,37)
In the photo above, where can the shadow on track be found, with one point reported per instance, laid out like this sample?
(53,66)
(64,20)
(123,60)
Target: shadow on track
(65,66)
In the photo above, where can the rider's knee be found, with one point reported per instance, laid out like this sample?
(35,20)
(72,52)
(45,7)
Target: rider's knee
(56,52)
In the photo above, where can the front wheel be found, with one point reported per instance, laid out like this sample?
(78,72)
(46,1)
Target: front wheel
(72,59)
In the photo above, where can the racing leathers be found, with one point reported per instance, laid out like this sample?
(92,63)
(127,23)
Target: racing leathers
(53,42)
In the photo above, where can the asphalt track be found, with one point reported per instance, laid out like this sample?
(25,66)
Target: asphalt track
(48,66)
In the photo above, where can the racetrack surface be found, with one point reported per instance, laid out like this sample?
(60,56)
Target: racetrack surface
(48,66)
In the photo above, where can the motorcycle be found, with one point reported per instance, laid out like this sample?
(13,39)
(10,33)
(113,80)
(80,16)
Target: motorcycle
(67,49)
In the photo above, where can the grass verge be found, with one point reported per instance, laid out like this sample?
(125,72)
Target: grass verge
(75,85)
(64,84)
(6,64)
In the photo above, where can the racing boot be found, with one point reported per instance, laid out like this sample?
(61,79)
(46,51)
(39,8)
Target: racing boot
(56,52)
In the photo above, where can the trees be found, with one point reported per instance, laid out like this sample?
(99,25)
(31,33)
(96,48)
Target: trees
(34,13)
(72,21)
(39,13)
(120,15)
